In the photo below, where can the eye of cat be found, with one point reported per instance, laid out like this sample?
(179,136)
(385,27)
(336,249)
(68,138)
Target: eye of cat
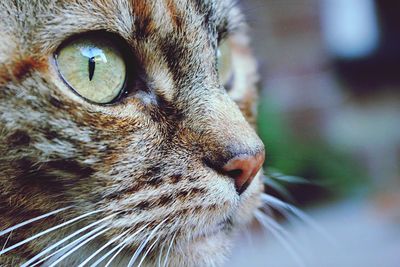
(224,61)
(94,67)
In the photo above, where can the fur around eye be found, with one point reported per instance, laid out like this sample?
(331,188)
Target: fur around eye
(94,67)
(118,145)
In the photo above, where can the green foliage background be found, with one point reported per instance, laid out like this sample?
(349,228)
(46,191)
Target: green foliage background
(332,173)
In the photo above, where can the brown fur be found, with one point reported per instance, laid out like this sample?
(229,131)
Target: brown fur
(155,154)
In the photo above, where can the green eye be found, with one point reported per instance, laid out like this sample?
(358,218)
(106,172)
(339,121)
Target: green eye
(225,69)
(93,67)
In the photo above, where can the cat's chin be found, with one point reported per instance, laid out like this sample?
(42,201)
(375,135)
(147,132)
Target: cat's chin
(214,247)
(209,250)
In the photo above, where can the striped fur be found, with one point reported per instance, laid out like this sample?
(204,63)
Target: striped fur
(145,156)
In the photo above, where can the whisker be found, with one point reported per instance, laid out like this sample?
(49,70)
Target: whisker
(47,231)
(261,218)
(270,207)
(8,238)
(32,260)
(274,224)
(10,229)
(160,255)
(102,248)
(288,178)
(100,231)
(169,247)
(148,250)
(273,201)
(169,250)
(137,252)
(120,246)
(278,188)
(68,246)
(141,247)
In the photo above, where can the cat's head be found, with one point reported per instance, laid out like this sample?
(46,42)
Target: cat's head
(136,116)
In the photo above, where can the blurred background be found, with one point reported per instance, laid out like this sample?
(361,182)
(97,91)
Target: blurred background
(329,116)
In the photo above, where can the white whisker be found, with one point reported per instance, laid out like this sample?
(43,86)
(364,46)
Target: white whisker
(102,248)
(277,187)
(169,250)
(10,229)
(160,255)
(270,207)
(48,231)
(288,178)
(260,217)
(141,247)
(100,230)
(279,204)
(8,238)
(274,224)
(120,246)
(69,246)
(32,260)
(148,250)
(159,264)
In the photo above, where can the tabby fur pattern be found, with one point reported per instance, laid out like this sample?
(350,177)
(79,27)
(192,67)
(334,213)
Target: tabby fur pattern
(149,161)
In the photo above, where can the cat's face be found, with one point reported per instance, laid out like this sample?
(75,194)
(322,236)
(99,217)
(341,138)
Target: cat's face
(146,157)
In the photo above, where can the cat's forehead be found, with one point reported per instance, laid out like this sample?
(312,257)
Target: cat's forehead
(53,21)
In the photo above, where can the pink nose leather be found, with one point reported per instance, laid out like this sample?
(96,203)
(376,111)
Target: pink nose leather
(243,169)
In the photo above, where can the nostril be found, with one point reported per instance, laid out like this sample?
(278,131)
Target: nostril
(243,168)
(235,173)
(241,179)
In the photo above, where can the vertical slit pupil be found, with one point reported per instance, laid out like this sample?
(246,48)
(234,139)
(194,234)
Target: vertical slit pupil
(92,66)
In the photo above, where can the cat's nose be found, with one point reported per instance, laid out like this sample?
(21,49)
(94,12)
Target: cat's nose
(243,169)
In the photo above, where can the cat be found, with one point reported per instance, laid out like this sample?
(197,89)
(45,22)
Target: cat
(127,132)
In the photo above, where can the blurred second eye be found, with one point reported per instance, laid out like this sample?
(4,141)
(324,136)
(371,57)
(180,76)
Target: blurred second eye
(224,62)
